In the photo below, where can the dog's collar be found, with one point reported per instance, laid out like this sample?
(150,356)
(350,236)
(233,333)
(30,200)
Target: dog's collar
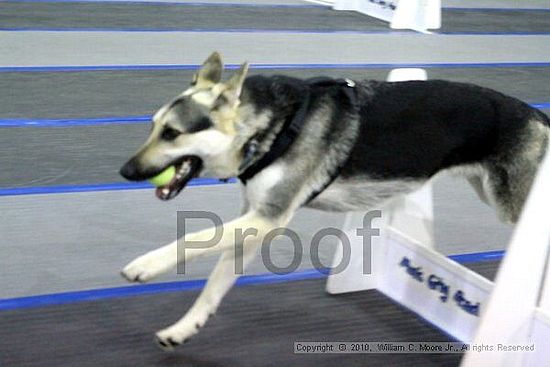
(253,162)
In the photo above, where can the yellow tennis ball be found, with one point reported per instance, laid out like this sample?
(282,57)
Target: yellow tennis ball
(164,177)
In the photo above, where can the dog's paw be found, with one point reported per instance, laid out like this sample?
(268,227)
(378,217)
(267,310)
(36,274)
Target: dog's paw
(148,266)
(180,332)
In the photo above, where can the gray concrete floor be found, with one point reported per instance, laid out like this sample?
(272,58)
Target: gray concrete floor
(61,242)
(53,243)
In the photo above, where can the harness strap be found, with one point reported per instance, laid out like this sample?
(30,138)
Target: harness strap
(290,131)
(280,145)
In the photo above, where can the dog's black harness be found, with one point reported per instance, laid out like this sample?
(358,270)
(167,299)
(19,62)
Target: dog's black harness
(290,131)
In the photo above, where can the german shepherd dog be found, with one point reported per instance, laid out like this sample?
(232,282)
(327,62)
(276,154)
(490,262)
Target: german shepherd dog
(337,145)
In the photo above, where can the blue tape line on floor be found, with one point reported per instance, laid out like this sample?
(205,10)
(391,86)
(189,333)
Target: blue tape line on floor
(206,30)
(143,289)
(85,68)
(256,5)
(270,31)
(518,9)
(110,120)
(74,122)
(541,105)
(66,189)
(478,257)
(176,3)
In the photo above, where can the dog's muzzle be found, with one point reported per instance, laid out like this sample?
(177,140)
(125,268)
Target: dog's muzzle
(187,167)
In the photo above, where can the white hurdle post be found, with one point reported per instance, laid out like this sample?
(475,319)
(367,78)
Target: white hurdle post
(405,266)
(418,15)
(518,310)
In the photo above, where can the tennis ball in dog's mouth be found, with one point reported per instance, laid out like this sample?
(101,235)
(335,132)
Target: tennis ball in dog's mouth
(164,177)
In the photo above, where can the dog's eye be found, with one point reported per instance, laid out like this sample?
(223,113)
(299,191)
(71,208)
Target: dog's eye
(170,134)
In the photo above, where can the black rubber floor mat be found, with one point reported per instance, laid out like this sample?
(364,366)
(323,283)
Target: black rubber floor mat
(177,17)
(487,269)
(255,326)
(92,94)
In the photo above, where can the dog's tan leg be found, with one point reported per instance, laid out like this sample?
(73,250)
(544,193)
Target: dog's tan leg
(151,264)
(220,281)
(222,277)
(161,260)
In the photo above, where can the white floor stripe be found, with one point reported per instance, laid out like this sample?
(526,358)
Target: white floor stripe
(116,48)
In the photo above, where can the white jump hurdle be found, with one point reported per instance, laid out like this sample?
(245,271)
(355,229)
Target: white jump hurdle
(518,310)
(419,15)
(457,300)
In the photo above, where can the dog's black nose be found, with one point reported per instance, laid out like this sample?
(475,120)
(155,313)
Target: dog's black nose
(129,170)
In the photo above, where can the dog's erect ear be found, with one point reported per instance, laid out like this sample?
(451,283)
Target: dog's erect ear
(234,85)
(224,110)
(210,72)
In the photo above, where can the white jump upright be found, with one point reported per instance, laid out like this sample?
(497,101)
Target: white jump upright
(518,310)
(418,15)
(404,266)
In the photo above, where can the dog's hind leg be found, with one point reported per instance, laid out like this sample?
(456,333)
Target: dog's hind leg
(219,282)
(509,187)
(477,183)
(511,175)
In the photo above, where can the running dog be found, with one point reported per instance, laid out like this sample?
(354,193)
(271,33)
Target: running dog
(330,144)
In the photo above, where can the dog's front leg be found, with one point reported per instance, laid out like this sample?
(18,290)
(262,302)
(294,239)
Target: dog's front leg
(219,282)
(151,264)
(235,235)
(161,260)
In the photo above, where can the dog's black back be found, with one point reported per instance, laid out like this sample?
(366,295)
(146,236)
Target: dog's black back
(416,129)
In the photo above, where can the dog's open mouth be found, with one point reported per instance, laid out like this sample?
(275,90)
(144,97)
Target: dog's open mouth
(187,168)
